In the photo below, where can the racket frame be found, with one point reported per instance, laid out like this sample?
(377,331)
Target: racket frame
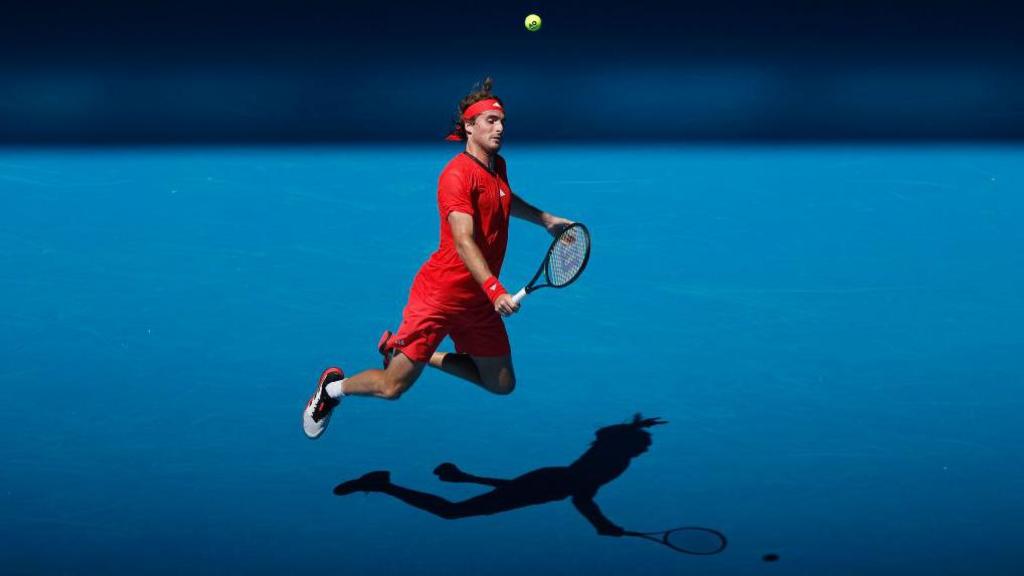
(532,286)
(662,538)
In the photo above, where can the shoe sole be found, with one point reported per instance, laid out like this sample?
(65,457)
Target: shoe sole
(320,390)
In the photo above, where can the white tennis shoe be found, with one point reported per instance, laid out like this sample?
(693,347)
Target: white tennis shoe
(318,410)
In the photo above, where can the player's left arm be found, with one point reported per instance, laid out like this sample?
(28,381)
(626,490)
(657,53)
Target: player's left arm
(525,211)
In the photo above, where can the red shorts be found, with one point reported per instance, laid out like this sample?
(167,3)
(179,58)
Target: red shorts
(477,331)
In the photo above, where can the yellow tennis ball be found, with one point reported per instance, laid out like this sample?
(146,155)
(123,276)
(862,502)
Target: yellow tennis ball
(533,22)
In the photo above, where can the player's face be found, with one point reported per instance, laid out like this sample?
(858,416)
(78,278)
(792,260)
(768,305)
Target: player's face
(487,131)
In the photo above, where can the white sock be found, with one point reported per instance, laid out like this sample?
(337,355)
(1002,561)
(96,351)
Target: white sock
(336,389)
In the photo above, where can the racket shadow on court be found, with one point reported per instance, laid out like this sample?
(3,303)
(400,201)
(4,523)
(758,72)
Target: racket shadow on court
(606,459)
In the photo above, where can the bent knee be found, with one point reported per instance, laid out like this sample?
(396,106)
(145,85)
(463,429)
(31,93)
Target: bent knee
(393,389)
(504,385)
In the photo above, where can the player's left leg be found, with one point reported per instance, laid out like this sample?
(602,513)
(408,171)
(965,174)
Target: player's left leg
(492,373)
(496,373)
(483,354)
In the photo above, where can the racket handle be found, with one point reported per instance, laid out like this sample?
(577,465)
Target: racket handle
(519,296)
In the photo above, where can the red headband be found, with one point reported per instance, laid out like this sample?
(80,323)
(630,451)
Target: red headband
(482,106)
(474,110)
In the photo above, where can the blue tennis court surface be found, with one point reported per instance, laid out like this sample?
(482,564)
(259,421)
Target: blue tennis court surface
(833,333)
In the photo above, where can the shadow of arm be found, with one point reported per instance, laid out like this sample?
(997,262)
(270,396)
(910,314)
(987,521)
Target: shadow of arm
(590,510)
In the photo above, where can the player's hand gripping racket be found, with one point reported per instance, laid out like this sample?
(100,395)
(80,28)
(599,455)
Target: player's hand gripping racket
(688,540)
(564,262)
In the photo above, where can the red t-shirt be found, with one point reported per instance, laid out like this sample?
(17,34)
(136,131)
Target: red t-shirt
(467,186)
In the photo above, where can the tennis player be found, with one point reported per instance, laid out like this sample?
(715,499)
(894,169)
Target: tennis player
(456,292)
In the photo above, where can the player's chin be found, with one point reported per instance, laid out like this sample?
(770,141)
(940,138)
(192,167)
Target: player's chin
(495,144)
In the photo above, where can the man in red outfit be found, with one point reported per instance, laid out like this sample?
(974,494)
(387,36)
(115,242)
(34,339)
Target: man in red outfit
(456,292)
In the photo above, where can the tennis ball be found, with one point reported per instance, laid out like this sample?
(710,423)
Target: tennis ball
(533,22)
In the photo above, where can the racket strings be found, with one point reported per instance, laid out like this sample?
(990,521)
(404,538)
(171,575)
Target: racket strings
(695,540)
(568,256)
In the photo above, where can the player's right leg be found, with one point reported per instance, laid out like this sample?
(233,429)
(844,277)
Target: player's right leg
(389,384)
(407,352)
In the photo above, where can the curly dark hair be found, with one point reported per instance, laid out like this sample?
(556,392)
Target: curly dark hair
(628,439)
(481,91)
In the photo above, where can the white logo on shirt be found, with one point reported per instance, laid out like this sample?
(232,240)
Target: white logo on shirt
(501,193)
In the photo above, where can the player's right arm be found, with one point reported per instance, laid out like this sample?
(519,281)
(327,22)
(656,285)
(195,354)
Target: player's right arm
(461,225)
(586,505)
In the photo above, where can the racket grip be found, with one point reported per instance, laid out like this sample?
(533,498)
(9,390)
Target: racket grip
(518,297)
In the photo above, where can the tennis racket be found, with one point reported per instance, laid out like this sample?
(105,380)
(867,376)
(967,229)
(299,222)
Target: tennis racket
(688,539)
(564,262)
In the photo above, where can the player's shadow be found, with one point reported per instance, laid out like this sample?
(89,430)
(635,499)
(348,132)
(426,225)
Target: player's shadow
(607,458)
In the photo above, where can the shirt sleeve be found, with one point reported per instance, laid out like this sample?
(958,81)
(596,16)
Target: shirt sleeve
(454,194)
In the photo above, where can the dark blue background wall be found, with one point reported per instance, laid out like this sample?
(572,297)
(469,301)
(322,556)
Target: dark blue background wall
(321,71)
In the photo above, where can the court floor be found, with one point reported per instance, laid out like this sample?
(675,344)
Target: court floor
(832,332)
